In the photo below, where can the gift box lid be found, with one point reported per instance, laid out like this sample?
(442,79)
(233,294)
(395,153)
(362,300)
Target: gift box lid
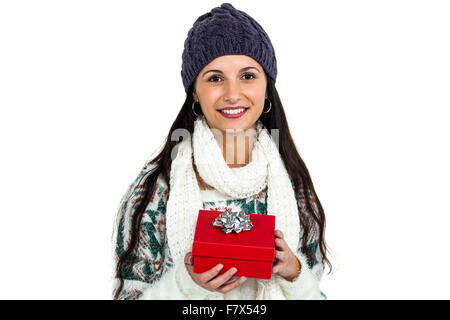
(255,244)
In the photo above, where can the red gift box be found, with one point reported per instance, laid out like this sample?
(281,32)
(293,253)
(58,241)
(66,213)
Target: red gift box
(251,252)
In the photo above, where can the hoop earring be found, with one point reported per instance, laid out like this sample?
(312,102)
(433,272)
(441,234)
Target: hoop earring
(193,109)
(269,107)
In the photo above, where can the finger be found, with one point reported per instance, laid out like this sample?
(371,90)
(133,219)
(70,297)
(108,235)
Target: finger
(281,244)
(206,276)
(188,260)
(220,280)
(276,268)
(280,255)
(279,234)
(188,264)
(232,285)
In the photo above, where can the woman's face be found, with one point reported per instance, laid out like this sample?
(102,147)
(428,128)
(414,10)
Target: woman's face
(231,81)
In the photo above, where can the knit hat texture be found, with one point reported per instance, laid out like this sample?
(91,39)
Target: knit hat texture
(223,31)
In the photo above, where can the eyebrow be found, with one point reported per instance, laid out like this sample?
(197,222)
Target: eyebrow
(243,69)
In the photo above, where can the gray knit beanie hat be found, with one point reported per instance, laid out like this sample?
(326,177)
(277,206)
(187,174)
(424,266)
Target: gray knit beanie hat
(224,31)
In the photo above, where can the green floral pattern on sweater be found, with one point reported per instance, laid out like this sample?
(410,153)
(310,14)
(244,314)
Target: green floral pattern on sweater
(254,204)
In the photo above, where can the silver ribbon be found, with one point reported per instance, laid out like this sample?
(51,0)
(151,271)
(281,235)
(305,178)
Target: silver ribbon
(233,221)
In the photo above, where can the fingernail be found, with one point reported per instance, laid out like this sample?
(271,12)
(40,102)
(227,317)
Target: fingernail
(242,280)
(219,267)
(233,271)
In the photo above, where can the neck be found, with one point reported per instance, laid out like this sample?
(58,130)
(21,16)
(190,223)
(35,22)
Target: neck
(236,146)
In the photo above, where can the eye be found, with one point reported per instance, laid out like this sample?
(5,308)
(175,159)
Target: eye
(249,74)
(213,77)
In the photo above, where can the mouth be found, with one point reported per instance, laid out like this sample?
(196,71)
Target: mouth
(234,112)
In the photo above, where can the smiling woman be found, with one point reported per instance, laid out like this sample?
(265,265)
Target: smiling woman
(232,111)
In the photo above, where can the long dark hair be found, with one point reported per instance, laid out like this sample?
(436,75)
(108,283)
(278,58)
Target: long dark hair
(312,218)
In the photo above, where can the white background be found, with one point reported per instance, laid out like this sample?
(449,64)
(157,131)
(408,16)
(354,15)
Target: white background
(89,90)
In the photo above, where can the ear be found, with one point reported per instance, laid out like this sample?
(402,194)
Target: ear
(195,96)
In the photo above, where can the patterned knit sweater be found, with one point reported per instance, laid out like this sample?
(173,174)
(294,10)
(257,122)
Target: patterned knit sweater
(153,274)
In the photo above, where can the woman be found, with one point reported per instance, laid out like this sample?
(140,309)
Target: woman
(236,154)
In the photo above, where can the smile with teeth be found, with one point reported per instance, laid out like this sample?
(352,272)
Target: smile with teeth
(235,111)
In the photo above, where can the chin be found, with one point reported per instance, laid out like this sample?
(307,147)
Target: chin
(233,125)
(238,126)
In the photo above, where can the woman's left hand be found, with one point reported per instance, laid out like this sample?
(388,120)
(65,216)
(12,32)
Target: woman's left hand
(286,263)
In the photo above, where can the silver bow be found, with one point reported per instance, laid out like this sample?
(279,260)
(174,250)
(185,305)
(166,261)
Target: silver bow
(233,221)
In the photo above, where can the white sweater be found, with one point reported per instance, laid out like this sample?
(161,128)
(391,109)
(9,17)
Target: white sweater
(153,274)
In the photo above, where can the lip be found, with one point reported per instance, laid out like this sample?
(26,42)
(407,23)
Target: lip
(233,116)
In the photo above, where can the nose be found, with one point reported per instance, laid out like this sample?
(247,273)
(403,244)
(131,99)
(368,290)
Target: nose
(232,93)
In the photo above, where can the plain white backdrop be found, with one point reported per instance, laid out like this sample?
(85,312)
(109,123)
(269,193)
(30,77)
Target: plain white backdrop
(89,90)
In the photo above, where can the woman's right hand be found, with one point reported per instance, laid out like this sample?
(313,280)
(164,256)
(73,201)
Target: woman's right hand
(210,280)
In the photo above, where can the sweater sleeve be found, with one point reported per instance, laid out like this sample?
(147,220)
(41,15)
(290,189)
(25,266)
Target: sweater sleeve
(150,272)
(306,286)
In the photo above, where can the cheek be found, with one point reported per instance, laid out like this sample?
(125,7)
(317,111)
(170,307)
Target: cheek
(209,97)
(257,97)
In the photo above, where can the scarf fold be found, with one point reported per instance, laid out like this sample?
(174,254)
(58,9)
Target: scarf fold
(265,168)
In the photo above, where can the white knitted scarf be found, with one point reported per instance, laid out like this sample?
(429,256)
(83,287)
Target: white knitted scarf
(265,168)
